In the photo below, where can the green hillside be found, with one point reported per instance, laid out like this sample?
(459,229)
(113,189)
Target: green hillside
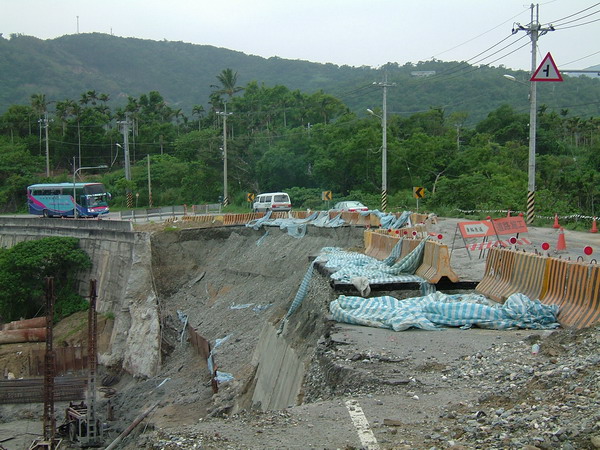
(183,73)
(459,131)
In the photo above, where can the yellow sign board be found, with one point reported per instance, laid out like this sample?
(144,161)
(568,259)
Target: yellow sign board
(250,197)
(327,196)
(419,192)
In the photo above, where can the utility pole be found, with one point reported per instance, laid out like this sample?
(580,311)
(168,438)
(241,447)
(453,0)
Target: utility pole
(535,30)
(125,125)
(384,84)
(224,114)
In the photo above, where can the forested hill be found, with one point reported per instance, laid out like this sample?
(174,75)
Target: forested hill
(185,75)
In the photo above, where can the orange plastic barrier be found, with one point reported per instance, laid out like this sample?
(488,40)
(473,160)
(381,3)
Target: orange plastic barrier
(300,214)
(379,245)
(436,263)
(553,291)
(528,276)
(574,302)
(499,275)
(349,217)
(416,218)
(374,221)
(489,274)
(573,286)
(590,313)
(408,245)
(368,242)
(436,258)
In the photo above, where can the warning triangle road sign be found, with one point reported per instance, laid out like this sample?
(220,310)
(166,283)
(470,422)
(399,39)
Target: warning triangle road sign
(547,71)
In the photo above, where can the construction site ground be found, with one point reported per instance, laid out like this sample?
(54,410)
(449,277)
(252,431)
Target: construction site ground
(366,387)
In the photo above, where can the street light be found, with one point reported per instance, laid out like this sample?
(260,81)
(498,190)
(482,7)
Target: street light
(511,78)
(103,166)
(532,137)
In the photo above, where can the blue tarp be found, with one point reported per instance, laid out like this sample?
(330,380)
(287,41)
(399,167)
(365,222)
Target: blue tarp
(347,265)
(434,311)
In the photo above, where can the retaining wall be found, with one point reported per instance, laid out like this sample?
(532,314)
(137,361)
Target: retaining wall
(121,264)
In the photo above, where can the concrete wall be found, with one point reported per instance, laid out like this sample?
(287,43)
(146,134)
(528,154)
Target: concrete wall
(121,264)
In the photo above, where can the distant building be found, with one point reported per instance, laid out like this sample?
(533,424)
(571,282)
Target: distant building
(422,73)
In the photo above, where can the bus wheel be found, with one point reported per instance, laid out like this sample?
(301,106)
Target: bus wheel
(45,213)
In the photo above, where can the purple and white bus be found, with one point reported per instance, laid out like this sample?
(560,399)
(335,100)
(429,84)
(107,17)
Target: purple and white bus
(56,200)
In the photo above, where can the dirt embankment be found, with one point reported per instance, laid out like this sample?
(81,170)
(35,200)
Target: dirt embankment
(417,389)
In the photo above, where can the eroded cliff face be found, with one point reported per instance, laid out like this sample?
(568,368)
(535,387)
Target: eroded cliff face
(135,339)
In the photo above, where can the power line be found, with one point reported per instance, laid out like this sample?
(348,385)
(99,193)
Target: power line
(479,35)
(574,14)
(579,25)
(474,69)
(584,57)
(576,20)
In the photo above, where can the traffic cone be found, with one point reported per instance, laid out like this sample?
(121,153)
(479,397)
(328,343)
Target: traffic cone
(561,245)
(556,225)
(594,228)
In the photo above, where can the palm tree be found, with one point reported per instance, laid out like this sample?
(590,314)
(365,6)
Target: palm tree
(89,97)
(64,110)
(199,111)
(228,80)
(39,105)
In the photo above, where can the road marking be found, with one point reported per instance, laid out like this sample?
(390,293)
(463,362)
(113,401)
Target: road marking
(366,436)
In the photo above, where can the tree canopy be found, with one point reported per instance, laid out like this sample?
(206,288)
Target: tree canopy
(24,268)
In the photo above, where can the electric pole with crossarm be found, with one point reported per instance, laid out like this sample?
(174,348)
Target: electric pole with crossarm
(535,30)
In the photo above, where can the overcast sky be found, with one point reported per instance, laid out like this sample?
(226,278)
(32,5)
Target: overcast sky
(351,32)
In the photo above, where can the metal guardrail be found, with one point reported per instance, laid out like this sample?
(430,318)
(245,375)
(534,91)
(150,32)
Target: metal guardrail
(166,212)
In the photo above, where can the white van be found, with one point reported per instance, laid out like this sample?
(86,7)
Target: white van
(273,201)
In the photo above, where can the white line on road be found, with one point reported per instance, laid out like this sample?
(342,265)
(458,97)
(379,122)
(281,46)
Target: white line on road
(366,436)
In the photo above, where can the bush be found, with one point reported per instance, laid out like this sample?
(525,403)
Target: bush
(67,304)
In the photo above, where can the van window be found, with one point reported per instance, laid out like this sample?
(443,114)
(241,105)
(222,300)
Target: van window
(281,198)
